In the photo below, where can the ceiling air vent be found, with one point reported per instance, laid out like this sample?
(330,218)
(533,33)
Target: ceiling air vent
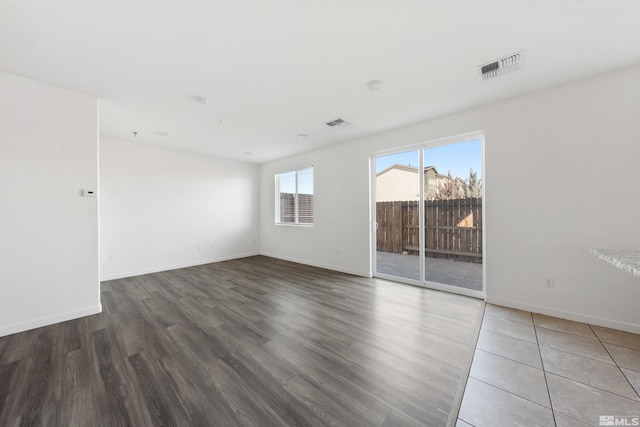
(500,66)
(337,123)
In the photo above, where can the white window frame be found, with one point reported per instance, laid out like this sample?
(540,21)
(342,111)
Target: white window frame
(278,217)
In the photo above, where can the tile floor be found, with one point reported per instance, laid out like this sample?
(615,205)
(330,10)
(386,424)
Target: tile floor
(535,370)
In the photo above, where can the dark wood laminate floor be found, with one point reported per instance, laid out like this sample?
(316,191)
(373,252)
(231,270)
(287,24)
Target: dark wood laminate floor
(249,342)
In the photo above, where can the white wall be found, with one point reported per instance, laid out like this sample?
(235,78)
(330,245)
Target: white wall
(162,208)
(48,232)
(546,201)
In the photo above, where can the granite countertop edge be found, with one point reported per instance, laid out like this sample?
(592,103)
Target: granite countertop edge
(628,261)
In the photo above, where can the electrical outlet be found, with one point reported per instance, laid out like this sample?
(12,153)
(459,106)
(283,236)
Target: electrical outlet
(338,252)
(109,258)
(548,283)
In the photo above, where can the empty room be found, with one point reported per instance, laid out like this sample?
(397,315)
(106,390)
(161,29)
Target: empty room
(293,213)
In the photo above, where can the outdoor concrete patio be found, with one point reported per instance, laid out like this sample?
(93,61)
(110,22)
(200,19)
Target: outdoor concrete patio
(448,272)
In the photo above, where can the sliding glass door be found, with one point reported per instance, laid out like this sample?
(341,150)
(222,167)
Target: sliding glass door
(453,215)
(428,215)
(397,198)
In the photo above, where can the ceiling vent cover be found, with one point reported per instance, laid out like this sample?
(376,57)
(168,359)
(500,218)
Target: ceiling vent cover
(500,66)
(337,123)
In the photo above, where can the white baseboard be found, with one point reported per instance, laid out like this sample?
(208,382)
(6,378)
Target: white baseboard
(159,269)
(578,317)
(49,320)
(318,264)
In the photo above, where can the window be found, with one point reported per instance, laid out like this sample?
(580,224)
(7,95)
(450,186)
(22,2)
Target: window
(294,197)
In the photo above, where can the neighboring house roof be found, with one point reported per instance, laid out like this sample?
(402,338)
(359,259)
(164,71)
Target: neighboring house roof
(408,169)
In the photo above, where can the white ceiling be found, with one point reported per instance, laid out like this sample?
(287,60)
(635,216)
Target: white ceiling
(276,69)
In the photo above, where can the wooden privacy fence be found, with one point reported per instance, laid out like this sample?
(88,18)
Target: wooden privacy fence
(453,228)
(288,209)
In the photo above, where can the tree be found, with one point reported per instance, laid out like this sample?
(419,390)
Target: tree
(472,186)
(450,188)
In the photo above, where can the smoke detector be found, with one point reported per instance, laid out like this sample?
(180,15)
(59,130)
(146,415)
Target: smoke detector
(337,123)
(500,66)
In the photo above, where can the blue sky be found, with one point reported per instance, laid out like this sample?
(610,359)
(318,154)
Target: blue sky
(305,182)
(457,158)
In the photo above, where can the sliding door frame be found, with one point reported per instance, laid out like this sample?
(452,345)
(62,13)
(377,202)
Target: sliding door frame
(421,147)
